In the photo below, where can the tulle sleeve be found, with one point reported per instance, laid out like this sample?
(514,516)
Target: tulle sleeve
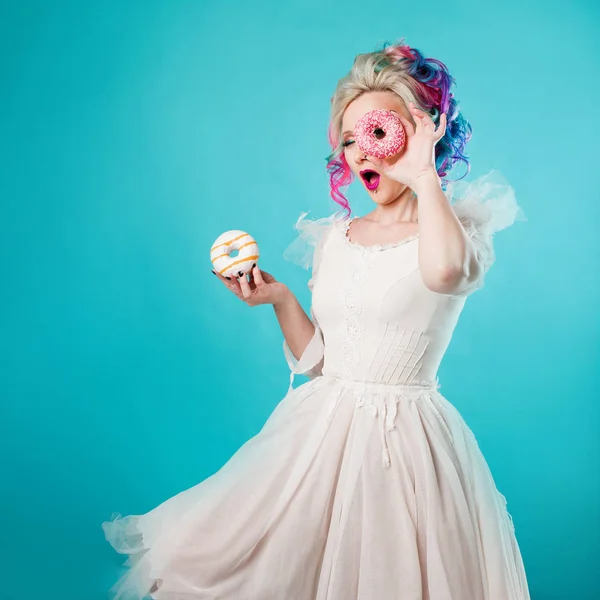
(484,206)
(306,251)
(307,248)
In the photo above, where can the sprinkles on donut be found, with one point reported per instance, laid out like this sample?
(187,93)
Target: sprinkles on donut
(380,133)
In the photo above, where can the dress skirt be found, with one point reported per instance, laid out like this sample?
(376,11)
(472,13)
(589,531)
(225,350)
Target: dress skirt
(350,491)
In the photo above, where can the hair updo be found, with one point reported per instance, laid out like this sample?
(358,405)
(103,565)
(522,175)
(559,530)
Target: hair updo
(403,70)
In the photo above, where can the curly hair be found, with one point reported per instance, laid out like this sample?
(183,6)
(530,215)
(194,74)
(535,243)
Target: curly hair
(403,70)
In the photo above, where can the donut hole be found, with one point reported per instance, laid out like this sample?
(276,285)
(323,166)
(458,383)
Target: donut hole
(233,253)
(379,133)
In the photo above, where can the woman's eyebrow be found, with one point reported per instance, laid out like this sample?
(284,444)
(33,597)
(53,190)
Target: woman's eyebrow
(345,132)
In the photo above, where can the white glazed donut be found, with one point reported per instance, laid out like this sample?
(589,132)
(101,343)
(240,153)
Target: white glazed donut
(225,244)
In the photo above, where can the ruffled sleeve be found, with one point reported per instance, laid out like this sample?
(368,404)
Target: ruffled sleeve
(306,251)
(307,248)
(484,206)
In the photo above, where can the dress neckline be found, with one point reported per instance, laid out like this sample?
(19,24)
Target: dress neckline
(374,247)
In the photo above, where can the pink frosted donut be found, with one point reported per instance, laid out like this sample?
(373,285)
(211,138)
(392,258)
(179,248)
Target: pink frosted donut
(380,133)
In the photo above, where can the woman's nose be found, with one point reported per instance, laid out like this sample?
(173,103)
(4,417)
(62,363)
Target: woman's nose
(359,156)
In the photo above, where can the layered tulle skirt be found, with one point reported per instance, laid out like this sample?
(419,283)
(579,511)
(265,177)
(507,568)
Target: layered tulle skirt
(351,491)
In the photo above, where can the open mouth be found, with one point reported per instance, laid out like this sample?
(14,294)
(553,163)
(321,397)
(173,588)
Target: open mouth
(371,178)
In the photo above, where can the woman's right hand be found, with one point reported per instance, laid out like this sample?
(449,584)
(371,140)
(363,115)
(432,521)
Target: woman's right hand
(261,288)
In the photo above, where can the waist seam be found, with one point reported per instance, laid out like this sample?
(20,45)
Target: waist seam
(413,385)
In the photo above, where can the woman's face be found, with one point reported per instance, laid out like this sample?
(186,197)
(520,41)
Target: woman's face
(388,189)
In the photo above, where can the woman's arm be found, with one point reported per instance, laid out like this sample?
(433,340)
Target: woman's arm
(296,326)
(262,288)
(447,256)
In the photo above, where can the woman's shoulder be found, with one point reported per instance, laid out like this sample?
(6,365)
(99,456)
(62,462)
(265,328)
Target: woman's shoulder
(484,206)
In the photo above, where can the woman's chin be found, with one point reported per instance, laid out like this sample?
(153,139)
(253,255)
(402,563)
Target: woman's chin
(377,192)
(384,194)
(386,190)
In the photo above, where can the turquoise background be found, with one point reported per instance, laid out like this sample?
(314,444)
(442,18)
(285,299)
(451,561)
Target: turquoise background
(133,131)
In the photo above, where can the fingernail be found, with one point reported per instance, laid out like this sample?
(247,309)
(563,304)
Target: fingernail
(228,278)
(240,273)
(253,265)
(212,272)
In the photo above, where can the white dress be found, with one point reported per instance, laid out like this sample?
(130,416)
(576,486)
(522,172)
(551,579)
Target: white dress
(365,483)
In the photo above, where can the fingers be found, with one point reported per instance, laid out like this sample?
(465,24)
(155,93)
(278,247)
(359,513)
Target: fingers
(244,286)
(226,280)
(230,283)
(410,128)
(256,282)
(441,130)
(425,122)
(221,278)
(258,278)
(422,119)
(240,286)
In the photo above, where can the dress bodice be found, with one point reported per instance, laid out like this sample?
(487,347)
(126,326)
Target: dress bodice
(375,319)
(379,321)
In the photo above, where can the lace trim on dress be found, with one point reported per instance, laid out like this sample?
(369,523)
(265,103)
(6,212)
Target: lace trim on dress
(345,228)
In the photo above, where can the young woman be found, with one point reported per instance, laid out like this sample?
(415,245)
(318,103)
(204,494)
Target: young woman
(365,483)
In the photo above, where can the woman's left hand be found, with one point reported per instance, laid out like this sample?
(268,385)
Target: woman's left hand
(418,155)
